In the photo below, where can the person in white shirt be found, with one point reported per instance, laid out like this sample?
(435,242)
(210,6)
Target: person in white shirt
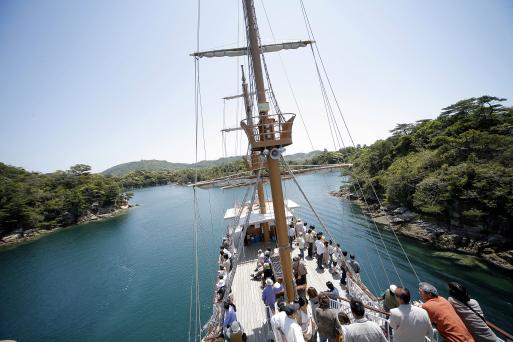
(410,323)
(292,235)
(299,227)
(277,323)
(362,330)
(319,247)
(291,329)
(301,244)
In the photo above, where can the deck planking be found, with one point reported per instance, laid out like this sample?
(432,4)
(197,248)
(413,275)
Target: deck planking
(247,293)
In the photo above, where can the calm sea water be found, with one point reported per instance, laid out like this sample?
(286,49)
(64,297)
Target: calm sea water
(129,278)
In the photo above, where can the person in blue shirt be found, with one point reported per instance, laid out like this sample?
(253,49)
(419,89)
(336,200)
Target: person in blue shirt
(269,297)
(230,314)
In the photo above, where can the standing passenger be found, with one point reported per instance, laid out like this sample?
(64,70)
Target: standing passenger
(362,330)
(327,322)
(292,235)
(443,316)
(319,247)
(301,244)
(410,323)
(470,313)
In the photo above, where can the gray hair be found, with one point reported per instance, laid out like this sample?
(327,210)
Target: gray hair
(429,289)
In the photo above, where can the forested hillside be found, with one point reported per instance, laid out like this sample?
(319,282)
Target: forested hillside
(44,201)
(457,168)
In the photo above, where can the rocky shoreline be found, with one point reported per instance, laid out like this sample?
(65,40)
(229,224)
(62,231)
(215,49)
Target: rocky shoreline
(495,249)
(23,236)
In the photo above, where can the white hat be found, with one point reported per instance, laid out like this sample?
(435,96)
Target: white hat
(268,281)
(393,288)
(235,327)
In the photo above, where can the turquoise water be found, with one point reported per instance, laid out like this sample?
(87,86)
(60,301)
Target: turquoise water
(129,278)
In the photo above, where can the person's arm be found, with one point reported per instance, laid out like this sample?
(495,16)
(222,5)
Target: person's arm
(394,320)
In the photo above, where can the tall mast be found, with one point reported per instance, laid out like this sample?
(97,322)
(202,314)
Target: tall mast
(254,163)
(268,139)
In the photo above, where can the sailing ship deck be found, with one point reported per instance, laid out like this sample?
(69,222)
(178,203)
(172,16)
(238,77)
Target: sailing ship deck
(247,293)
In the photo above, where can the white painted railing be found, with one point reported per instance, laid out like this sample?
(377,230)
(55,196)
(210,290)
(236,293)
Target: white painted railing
(376,317)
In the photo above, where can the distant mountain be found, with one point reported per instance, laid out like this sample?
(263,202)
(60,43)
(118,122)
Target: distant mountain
(143,165)
(152,165)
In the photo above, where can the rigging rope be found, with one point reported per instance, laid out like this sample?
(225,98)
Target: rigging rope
(309,28)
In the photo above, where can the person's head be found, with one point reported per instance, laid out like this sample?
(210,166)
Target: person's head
(269,282)
(427,291)
(259,252)
(226,305)
(302,302)
(351,257)
(281,305)
(221,268)
(290,309)
(344,253)
(309,231)
(235,327)
(338,245)
(319,237)
(458,291)
(330,286)
(221,252)
(300,234)
(299,220)
(343,318)
(403,295)
(331,242)
(305,224)
(392,288)
(326,243)
(357,308)
(296,259)
(324,301)
(267,253)
(226,257)
(312,292)
(291,226)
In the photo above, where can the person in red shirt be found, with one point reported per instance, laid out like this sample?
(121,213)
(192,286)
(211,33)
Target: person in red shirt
(442,315)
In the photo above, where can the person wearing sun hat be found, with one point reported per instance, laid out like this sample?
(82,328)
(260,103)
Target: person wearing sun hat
(389,299)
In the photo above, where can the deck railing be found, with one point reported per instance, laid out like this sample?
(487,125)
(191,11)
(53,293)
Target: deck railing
(379,317)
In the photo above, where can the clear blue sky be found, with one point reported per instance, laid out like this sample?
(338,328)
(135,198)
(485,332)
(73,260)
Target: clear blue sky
(105,82)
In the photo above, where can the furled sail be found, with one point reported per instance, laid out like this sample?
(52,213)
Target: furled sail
(235,52)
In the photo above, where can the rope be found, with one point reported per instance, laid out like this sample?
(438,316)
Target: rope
(309,28)
(287,77)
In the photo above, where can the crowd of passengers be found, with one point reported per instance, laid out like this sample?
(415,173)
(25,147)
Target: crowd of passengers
(310,318)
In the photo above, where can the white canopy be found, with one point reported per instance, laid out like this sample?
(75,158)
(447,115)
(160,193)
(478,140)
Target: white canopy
(256,217)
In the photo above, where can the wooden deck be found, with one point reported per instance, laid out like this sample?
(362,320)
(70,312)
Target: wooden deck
(247,293)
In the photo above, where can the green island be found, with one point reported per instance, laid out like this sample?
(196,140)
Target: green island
(455,171)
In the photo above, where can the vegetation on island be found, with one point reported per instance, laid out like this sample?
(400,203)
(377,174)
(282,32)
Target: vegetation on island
(457,168)
(32,200)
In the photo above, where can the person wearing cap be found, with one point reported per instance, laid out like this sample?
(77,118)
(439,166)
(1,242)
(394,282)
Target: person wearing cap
(410,323)
(327,321)
(389,299)
(269,295)
(362,330)
(291,329)
(235,333)
(442,315)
